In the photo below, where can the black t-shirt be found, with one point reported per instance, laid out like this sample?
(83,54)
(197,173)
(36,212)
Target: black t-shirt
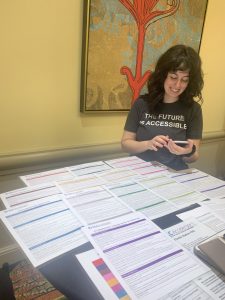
(177,120)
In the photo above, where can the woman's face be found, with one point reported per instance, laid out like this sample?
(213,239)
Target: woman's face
(174,85)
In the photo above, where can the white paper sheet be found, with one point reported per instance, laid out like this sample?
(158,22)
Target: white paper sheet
(205,216)
(188,176)
(45,229)
(124,162)
(207,286)
(118,175)
(47,176)
(177,193)
(189,233)
(104,283)
(89,168)
(213,283)
(146,261)
(97,204)
(80,183)
(142,199)
(217,205)
(146,168)
(204,183)
(28,195)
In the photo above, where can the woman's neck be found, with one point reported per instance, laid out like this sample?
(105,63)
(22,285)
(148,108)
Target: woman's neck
(169,100)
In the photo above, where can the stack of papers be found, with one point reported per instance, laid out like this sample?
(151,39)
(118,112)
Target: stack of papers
(142,220)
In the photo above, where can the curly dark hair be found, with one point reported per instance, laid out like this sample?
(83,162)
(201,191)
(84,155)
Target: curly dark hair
(176,58)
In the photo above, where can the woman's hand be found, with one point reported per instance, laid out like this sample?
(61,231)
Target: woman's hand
(158,141)
(131,145)
(178,150)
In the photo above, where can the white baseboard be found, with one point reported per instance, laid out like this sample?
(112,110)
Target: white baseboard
(10,254)
(58,157)
(75,155)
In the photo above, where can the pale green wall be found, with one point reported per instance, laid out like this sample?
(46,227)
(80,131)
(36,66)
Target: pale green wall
(40,56)
(212,53)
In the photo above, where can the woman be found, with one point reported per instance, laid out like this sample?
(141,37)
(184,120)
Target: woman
(168,112)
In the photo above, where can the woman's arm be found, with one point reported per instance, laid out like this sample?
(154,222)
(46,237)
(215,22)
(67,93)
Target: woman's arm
(131,145)
(185,152)
(195,155)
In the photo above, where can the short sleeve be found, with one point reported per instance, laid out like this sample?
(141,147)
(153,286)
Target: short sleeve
(134,116)
(195,125)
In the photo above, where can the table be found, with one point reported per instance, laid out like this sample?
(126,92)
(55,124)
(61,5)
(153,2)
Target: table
(66,273)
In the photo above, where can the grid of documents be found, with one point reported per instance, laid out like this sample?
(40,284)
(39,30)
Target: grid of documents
(142,219)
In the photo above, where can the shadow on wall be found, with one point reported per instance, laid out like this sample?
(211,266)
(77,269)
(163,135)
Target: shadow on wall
(212,158)
(220,160)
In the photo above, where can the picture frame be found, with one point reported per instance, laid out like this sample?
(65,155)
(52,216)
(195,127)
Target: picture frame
(119,50)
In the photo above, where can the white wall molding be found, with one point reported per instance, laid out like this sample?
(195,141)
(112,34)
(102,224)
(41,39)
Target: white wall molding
(67,156)
(75,155)
(10,254)
(211,136)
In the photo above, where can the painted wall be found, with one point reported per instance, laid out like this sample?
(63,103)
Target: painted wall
(40,55)
(40,58)
(212,53)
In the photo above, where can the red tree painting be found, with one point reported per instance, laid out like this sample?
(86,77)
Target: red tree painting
(144,15)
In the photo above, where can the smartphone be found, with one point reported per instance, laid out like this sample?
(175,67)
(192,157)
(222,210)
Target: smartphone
(212,251)
(181,143)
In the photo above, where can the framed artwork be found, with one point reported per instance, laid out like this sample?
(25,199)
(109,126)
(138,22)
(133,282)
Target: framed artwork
(122,40)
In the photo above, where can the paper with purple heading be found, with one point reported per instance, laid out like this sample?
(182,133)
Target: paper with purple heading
(144,259)
(206,184)
(89,168)
(207,286)
(124,162)
(47,176)
(28,195)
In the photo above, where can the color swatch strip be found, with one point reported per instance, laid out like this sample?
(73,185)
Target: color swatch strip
(110,279)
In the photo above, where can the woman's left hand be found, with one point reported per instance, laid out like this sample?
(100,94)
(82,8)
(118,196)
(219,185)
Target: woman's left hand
(178,150)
